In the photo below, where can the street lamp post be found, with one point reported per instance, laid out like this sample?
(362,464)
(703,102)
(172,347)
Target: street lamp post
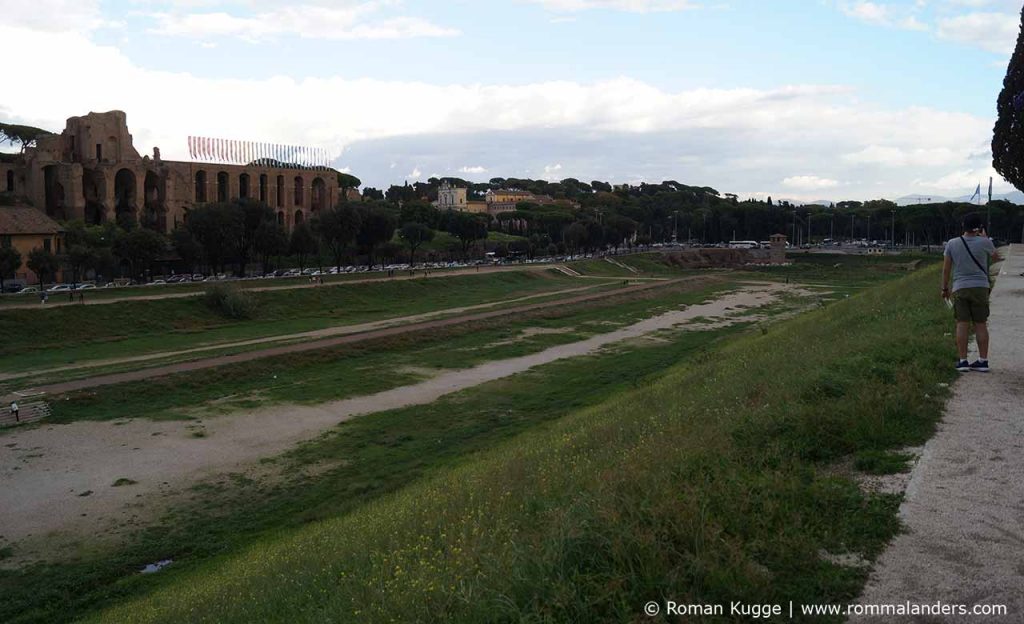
(893,228)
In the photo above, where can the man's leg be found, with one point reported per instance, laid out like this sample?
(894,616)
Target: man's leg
(963,331)
(981,331)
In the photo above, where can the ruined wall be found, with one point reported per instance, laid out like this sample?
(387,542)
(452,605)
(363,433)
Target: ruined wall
(92,171)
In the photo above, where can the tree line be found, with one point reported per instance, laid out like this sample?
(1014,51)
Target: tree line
(398,224)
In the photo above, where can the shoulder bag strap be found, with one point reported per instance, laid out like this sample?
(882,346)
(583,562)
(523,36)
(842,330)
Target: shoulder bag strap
(968,248)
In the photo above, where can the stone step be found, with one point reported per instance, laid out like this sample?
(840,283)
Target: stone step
(27,413)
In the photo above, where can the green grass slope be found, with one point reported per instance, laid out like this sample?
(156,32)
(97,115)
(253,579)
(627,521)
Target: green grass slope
(715,483)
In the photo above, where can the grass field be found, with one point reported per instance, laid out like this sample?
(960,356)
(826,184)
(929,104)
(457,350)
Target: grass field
(713,482)
(371,456)
(42,338)
(365,368)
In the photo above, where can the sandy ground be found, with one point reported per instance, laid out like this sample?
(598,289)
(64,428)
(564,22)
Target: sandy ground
(964,505)
(309,335)
(45,471)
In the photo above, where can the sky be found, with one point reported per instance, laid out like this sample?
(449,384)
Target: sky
(798,99)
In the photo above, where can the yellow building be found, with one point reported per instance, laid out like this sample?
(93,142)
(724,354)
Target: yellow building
(24,228)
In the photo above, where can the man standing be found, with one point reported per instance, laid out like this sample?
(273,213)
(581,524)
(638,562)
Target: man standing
(14,411)
(967,259)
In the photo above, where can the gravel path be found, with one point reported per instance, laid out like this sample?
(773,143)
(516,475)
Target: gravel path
(964,506)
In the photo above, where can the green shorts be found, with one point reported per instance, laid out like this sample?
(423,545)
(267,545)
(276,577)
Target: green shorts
(970,305)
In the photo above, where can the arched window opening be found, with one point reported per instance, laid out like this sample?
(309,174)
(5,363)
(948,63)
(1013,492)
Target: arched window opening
(319,194)
(222,187)
(280,190)
(298,217)
(298,190)
(200,187)
(263,188)
(243,186)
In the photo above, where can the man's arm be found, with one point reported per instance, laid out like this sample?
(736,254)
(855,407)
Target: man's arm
(947,270)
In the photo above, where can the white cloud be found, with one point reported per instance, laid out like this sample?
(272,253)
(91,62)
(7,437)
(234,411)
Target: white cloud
(995,32)
(889,156)
(888,15)
(614,130)
(809,183)
(415,175)
(53,15)
(630,6)
(994,29)
(473,170)
(309,21)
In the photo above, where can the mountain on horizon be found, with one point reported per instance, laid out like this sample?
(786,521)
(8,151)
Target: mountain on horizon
(1014,197)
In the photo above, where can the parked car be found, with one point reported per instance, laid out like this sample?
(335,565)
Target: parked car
(86,287)
(28,290)
(59,288)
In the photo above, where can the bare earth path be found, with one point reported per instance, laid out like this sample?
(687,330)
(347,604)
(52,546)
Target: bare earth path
(318,333)
(181,367)
(44,471)
(964,506)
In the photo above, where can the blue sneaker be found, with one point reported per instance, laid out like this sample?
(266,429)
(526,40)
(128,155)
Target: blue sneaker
(963,366)
(980,366)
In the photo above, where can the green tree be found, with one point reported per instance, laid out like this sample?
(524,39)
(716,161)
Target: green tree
(303,243)
(338,229)
(271,240)
(10,262)
(575,237)
(25,136)
(466,227)
(44,264)
(140,248)
(415,235)
(1008,134)
(79,259)
(216,227)
(376,227)
(621,228)
(250,215)
(187,247)
(347,181)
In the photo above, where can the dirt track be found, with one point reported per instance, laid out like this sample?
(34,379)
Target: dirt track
(45,471)
(318,333)
(170,369)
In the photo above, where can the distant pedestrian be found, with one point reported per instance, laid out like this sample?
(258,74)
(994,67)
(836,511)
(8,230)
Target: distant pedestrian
(81,297)
(42,297)
(967,260)
(14,411)
(71,296)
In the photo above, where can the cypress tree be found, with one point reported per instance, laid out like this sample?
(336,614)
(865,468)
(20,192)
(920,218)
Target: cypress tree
(1008,138)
